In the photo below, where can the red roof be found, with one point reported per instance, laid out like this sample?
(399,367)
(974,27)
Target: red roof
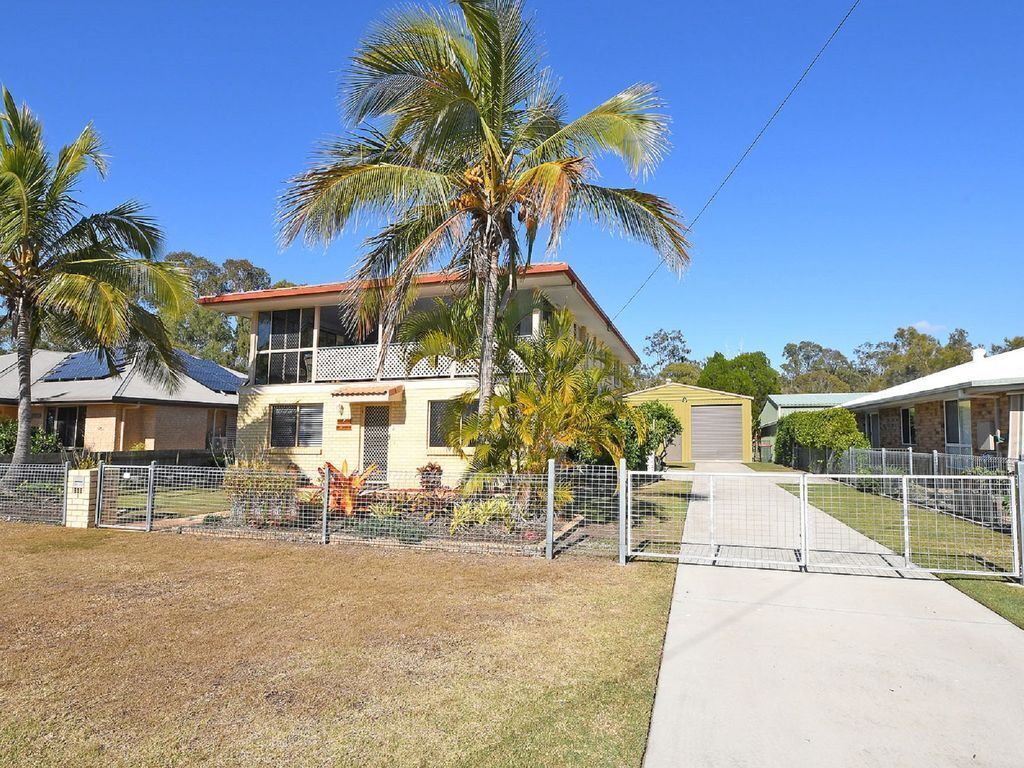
(427,278)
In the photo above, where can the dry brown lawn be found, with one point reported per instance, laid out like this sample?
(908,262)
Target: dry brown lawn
(158,650)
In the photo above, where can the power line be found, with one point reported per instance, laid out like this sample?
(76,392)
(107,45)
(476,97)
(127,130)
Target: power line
(746,152)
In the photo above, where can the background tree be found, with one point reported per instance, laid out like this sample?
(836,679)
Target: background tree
(910,355)
(809,367)
(461,148)
(670,359)
(213,335)
(75,274)
(749,373)
(1008,345)
(686,372)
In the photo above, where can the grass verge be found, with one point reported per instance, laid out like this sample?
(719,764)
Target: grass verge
(121,649)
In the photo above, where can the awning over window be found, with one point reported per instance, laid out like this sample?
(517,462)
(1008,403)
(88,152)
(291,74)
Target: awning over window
(370,393)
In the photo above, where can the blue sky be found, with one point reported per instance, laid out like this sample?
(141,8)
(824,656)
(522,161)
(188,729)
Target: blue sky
(887,193)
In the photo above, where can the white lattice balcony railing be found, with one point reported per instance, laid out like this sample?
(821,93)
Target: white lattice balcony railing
(359,363)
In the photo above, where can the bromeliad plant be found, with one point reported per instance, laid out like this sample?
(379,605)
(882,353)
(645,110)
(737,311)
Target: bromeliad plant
(345,487)
(84,281)
(461,150)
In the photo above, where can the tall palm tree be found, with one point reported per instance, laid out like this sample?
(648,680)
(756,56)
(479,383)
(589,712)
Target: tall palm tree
(459,148)
(71,274)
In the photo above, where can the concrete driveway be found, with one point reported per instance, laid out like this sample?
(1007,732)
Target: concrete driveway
(769,668)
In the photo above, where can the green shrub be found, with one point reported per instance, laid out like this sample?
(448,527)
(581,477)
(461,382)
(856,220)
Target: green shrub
(42,442)
(663,426)
(495,509)
(406,531)
(832,429)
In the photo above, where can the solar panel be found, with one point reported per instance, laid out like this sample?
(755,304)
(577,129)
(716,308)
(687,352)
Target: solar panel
(80,366)
(211,375)
(84,365)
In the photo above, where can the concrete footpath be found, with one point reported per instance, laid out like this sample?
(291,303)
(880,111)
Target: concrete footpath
(769,668)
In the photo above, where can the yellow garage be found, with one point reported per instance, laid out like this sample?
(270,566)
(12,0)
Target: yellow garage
(716,425)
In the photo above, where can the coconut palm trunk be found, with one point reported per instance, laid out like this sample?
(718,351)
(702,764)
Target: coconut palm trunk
(22,322)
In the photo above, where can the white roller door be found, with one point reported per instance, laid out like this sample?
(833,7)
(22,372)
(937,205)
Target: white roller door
(717,432)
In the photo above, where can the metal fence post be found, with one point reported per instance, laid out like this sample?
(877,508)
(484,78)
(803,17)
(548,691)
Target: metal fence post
(64,511)
(711,521)
(904,485)
(883,462)
(326,504)
(803,522)
(549,538)
(99,491)
(1019,519)
(910,461)
(935,462)
(150,496)
(623,522)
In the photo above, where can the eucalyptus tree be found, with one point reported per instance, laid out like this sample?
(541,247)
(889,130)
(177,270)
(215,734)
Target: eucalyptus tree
(92,281)
(459,151)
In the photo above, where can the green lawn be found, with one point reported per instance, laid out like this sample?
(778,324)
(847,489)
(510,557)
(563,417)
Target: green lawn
(120,649)
(659,513)
(767,466)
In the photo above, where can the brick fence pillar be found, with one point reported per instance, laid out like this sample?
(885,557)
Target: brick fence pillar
(83,485)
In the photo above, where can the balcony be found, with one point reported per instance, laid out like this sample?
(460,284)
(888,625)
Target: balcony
(359,363)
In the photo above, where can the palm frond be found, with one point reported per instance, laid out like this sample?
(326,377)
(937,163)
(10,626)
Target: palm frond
(627,125)
(638,215)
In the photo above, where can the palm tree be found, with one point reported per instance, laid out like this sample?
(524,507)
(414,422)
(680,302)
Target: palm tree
(459,147)
(565,393)
(450,329)
(71,275)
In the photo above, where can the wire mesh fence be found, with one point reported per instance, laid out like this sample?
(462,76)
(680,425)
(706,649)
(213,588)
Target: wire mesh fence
(853,523)
(884,461)
(428,510)
(891,522)
(33,493)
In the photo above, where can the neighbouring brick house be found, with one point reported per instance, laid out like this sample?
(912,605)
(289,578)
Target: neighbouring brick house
(76,396)
(313,394)
(976,408)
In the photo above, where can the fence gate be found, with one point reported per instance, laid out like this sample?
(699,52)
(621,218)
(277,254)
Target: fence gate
(124,498)
(826,523)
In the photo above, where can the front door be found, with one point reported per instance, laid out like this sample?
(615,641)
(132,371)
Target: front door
(376,428)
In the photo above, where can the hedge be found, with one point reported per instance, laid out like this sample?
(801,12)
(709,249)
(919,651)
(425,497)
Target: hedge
(833,429)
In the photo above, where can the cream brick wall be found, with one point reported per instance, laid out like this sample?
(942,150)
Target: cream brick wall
(177,427)
(408,438)
(102,426)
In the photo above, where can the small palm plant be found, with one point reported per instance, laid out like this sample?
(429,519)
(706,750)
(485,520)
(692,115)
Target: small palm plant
(461,151)
(86,281)
(565,393)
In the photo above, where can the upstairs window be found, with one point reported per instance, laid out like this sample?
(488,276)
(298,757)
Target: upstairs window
(907,429)
(296,426)
(284,346)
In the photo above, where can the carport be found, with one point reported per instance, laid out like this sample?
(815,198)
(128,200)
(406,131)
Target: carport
(716,425)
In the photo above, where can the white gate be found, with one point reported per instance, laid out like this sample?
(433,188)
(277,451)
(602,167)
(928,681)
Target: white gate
(859,523)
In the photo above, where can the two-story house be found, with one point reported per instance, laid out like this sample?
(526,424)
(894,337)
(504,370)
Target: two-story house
(312,394)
